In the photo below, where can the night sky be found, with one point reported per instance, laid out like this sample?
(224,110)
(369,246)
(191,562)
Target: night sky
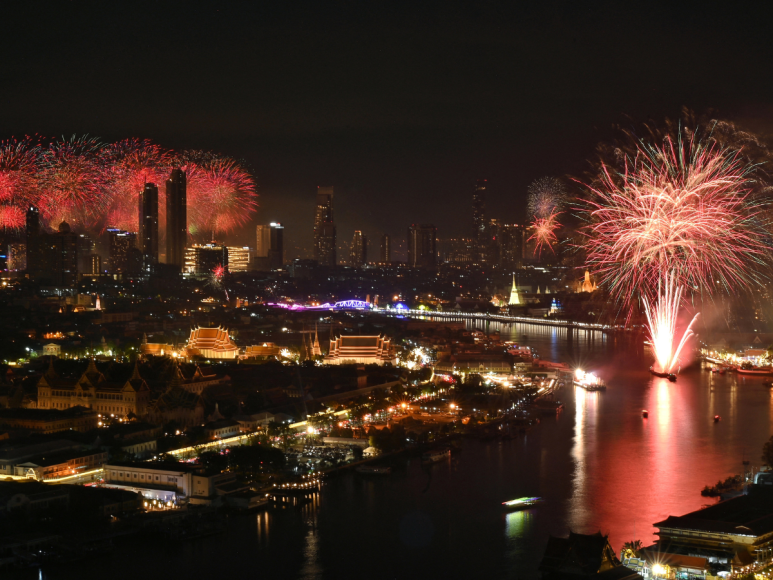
(400,107)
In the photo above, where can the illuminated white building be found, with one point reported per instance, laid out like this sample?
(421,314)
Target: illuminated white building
(361,350)
(239,258)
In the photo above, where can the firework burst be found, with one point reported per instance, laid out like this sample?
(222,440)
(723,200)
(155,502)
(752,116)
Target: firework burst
(680,207)
(662,319)
(547,195)
(544,235)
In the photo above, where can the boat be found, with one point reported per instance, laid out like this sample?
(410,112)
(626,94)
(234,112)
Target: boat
(645,413)
(717,418)
(670,376)
(521,503)
(747,369)
(588,381)
(435,456)
(373,470)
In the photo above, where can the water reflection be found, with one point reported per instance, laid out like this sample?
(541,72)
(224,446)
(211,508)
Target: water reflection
(518,524)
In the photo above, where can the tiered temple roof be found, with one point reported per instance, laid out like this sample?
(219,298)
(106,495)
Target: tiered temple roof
(212,343)
(361,350)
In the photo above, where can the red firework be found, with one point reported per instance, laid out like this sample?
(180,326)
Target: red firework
(680,208)
(545,232)
(71,184)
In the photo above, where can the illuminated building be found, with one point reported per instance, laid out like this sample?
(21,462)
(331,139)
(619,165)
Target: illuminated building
(586,285)
(17,257)
(203,258)
(211,343)
(47,421)
(324,228)
(148,230)
(360,350)
(86,247)
(176,218)
(61,464)
(459,250)
(510,240)
(385,257)
(200,379)
(96,264)
(239,259)
(277,249)
(155,348)
(358,253)
(92,390)
(514,299)
(478,213)
(263,239)
(422,246)
(125,256)
(265,349)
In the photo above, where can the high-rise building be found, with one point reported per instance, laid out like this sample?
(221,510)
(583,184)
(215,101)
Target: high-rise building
(176,218)
(385,257)
(86,247)
(358,253)
(422,246)
(148,232)
(57,256)
(263,245)
(204,258)
(239,259)
(479,213)
(33,232)
(125,256)
(96,264)
(511,246)
(276,252)
(17,257)
(324,228)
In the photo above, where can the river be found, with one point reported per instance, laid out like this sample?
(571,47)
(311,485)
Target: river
(598,464)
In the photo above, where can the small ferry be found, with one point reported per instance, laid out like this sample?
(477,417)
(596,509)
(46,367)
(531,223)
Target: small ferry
(373,470)
(645,413)
(747,369)
(717,418)
(435,456)
(588,381)
(670,376)
(521,503)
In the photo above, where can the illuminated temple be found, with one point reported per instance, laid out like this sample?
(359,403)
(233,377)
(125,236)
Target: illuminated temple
(211,343)
(361,350)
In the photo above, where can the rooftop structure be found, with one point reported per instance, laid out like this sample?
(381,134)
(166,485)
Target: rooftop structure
(211,343)
(360,350)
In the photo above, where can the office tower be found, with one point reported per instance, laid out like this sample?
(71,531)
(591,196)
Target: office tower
(358,253)
(422,246)
(263,245)
(17,257)
(33,232)
(125,256)
(324,228)
(459,250)
(95,264)
(479,213)
(511,246)
(176,218)
(239,259)
(55,260)
(204,258)
(86,247)
(276,252)
(385,257)
(148,231)
(492,248)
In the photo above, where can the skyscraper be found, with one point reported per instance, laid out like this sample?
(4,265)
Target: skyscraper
(204,258)
(176,218)
(276,252)
(263,239)
(33,233)
(358,253)
(324,228)
(422,246)
(148,234)
(385,257)
(479,213)
(125,256)
(511,245)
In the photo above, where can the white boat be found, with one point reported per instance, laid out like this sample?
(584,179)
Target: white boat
(435,456)
(588,381)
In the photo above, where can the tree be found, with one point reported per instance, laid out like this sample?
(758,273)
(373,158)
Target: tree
(631,549)
(767,452)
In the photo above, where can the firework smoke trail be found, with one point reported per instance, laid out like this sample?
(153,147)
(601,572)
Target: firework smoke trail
(661,319)
(546,196)
(680,207)
(544,233)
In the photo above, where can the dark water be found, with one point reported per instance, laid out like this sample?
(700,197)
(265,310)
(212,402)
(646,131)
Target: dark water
(599,465)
